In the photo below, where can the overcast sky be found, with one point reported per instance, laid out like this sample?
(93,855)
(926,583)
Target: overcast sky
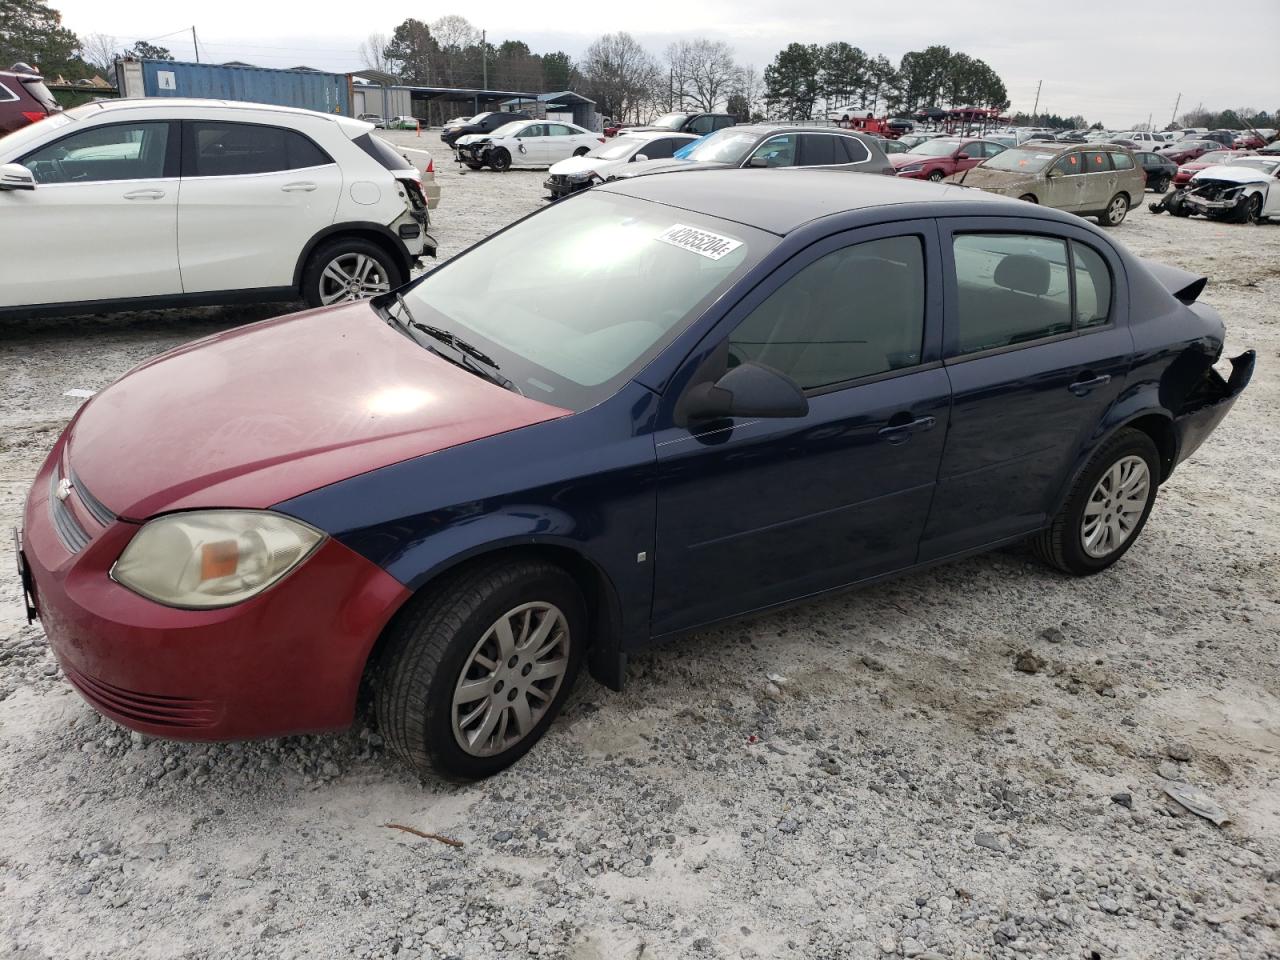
(1108,60)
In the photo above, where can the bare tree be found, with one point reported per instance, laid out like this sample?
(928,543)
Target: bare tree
(373,53)
(459,43)
(619,74)
(99,50)
(711,73)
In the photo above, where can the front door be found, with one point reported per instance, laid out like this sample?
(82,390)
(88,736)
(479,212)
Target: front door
(532,146)
(101,224)
(1037,349)
(1064,182)
(753,512)
(252,197)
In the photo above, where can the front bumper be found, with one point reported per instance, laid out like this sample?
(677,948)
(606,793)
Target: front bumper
(1212,206)
(286,661)
(560,187)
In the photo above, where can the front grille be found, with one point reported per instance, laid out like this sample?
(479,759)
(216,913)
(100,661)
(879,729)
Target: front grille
(73,536)
(96,507)
(559,179)
(160,711)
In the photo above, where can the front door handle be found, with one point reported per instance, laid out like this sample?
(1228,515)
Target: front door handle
(1081,388)
(896,433)
(302,185)
(145,195)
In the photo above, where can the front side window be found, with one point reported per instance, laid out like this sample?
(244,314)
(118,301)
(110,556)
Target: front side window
(122,151)
(1012,288)
(1069,165)
(532,130)
(777,151)
(853,313)
(703,125)
(218,149)
(660,149)
(575,299)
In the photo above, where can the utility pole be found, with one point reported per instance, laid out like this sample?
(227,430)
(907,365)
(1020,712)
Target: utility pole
(484,59)
(1036,108)
(193,42)
(1174,118)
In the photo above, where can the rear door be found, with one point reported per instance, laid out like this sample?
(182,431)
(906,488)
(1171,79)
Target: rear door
(753,511)
(101,224)
(562,141)
(1037,348)
(1099,180)
(252,196)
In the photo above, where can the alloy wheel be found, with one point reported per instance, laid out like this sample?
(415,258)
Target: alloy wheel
(352,276)
(510,679)
(1115,507)
(1116,210)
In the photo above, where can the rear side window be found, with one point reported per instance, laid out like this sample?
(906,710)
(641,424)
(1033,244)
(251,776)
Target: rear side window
(855,150)
(854,313)
(382,151)
(1069,165)
(703,125)
(6,95)
(560,130)
(722,122)
(217,149)
(1097,162)
(1093,286)
(817,149)
(1122,161)
(661,149)
(1012,289)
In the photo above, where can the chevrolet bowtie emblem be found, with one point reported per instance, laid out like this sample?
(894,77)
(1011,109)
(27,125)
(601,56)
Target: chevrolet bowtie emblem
(64,488)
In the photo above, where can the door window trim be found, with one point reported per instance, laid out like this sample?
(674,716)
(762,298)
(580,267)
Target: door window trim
(7,95)
(189,155)
(948,230)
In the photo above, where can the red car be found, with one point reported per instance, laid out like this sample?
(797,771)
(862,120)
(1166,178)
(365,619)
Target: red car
(937,159)
(24,98)
(1184,151)
(1188,170)
(1249,141)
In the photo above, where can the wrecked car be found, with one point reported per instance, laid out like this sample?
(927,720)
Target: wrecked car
(1245,191)
(537,458)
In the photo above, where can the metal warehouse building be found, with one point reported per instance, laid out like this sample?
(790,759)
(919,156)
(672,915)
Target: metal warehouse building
(311,89)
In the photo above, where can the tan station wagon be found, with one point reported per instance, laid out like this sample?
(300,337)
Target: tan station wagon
(1091,180)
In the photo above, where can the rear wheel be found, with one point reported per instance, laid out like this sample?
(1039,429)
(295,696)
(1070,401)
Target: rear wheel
(1106,509)
(1116,211)
(1029,197)
(478,666)
(349,269)
(1160,184)
(500,160)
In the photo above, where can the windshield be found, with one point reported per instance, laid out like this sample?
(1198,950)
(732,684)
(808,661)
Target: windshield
(510,129)
(670,121)
(575,299)
(1019,160)
(1215,156)
(724,146)
(1265,164)
(935,148)
(618,148)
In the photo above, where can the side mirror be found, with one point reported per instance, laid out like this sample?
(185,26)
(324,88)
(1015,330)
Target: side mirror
(963,156)
(757,162)
(14,176)
(639,158)
(1053,172)
(748,390)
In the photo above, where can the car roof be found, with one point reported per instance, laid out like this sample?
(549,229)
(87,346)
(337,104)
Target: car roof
(781,201)
(762,129)
(657,134)
(99,107)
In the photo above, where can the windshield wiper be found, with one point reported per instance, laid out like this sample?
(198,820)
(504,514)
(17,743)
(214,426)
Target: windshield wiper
(470,357)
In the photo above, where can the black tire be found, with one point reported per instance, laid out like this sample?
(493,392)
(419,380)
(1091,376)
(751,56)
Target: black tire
(1029,197)
(1161,184)
(1250,211)
(936,176)
(316,288)
(582,151)
(1117,209)
(500,160)
(1176,206)
(472,165)
(1061,543)
(431,642)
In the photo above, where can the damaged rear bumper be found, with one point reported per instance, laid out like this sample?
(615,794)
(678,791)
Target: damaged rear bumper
(1210,401)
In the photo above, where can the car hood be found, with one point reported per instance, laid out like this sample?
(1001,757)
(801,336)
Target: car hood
(1232,174)
(474,138)
(258,415)
(577,165)
(988,179)
(641,167)
(902,159)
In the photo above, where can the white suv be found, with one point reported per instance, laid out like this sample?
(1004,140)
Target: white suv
(131,203)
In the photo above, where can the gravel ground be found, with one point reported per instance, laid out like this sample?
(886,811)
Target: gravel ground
(963,763)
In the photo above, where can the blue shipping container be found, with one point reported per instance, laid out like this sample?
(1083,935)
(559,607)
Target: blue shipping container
(325,92)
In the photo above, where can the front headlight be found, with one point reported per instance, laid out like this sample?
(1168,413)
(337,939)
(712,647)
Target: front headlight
(213,558)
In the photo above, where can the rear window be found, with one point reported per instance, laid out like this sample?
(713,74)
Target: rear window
(37,89)
(382,151)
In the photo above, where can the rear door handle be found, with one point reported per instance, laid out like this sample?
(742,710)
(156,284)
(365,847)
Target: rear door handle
(901,432)
(145,195)
(1082,388)
(302,185)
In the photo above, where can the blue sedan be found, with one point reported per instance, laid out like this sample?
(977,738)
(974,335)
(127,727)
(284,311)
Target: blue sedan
(660,404)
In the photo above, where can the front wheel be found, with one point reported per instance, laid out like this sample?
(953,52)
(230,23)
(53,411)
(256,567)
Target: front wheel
(500,160)
(936,176)
(349,269)
(582,151)
(477,667)
(1106,509)
(1116,211)
(1250,211)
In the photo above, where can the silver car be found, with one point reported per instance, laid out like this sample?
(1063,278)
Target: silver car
(1092,180)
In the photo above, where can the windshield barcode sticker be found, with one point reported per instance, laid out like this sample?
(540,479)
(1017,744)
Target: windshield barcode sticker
(709,245)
